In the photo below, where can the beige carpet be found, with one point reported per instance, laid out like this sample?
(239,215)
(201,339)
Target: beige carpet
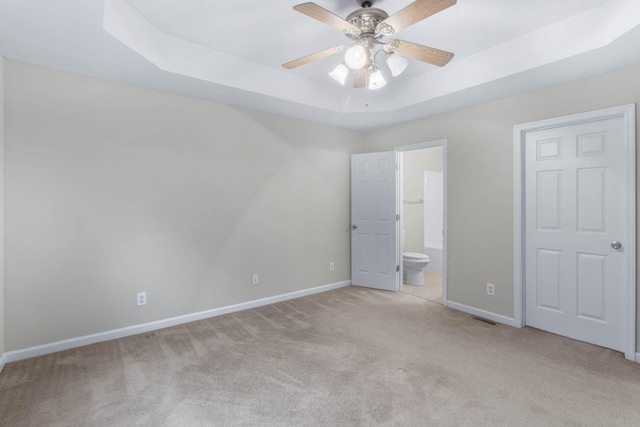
(349,357)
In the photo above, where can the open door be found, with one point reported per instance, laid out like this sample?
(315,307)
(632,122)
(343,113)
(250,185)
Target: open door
(375,252)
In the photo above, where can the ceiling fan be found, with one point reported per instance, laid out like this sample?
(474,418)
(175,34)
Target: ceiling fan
(367,27)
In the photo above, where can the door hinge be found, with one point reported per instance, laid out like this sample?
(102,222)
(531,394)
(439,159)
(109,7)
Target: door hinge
(397,217)
(397,268)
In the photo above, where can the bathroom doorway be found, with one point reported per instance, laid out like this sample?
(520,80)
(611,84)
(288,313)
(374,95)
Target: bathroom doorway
(422,195)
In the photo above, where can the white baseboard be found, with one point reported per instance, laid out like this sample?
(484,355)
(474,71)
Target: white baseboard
(495,317)
(40,350)
(498,318)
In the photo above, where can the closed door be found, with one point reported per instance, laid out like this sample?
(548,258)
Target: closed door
(576,231)
(374,223)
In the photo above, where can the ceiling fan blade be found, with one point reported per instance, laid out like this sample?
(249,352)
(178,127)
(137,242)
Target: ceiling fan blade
(412,13)
(423,53)
(360,78)
(314,56)
(326,17)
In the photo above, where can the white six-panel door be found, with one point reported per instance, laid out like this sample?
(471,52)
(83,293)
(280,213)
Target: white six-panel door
(575,211)
(374,232)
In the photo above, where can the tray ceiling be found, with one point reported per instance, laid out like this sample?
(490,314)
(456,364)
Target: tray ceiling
(231,52)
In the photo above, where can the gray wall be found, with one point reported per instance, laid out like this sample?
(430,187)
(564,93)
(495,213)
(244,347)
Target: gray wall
(480,175)
(2,346)
(112,190)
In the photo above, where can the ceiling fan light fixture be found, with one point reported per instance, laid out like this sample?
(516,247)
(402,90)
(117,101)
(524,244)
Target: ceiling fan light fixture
(376,80)
(340,74)
(356,57)
(397,64)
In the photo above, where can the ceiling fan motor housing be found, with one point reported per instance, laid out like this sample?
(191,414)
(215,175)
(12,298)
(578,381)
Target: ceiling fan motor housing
(367,20)
(365,3)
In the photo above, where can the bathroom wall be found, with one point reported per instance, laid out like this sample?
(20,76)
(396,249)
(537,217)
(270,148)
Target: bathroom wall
(414,162)
(113,189)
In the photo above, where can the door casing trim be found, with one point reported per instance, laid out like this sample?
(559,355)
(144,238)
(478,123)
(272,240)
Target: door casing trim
(628,114)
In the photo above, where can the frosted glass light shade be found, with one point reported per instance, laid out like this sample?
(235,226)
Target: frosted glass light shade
(397,64)
(340,74)
(376,80)
(355,57)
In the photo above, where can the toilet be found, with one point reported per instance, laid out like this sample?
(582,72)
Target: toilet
(412,265)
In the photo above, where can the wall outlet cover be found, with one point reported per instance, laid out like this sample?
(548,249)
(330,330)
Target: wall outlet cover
(491,289)
(141,298)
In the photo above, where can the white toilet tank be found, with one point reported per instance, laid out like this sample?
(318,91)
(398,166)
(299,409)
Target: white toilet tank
(415,256)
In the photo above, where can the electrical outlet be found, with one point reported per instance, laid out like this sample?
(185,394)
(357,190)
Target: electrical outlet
(255,279)
(491,289)
(332,266)
(141,298)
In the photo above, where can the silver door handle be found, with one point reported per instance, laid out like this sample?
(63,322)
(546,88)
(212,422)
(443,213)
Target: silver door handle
(354,226)
(616,245)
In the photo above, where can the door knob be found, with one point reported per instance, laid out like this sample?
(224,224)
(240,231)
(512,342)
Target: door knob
(354,226)
(616,245)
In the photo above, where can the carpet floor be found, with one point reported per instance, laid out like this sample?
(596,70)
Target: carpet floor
(348,357)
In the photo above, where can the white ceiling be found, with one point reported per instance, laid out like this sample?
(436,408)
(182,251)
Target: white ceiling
(232,51)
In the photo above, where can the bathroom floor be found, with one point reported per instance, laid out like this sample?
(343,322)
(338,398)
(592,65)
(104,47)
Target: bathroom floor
(432,290)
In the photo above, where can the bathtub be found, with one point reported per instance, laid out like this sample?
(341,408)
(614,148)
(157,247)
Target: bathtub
(435,256)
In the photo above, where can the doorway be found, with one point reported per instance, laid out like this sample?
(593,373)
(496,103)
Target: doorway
(575,227)
(377,215)
(422,192)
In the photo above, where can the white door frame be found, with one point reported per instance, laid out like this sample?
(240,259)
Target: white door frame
(429,144)
(626,112)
